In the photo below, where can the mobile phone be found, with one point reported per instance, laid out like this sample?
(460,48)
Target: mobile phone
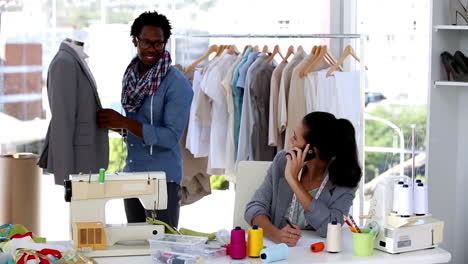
(309,155)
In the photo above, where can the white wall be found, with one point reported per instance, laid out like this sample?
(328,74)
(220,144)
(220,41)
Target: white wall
(447,169)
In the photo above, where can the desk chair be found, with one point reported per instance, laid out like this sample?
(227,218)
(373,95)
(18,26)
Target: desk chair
(250,175)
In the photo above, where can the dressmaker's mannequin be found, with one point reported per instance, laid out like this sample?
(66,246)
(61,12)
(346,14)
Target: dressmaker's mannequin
(74,143)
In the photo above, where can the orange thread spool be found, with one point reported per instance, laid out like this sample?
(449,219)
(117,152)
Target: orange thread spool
(317,247)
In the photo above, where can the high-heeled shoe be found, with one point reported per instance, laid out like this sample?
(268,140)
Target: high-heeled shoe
(453,69)
(461,60)
(457,10)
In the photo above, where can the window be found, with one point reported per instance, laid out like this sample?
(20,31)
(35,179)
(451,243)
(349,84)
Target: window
(31,32)
(397,54)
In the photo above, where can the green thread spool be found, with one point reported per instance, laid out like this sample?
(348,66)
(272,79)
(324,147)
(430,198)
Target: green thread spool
(102,175)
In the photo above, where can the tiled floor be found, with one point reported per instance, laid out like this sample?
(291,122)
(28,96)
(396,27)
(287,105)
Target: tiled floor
(210,214)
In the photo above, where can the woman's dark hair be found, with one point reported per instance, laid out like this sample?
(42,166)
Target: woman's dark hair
(334,138)
(151,19)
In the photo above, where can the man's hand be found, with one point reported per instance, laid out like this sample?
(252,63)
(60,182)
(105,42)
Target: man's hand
(108,118)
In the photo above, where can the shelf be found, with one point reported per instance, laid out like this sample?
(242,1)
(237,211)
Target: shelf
(449,83)
(450,27)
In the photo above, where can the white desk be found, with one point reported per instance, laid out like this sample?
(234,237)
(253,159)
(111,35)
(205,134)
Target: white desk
(303,255)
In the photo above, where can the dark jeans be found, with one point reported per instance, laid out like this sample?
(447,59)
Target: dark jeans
(136,213)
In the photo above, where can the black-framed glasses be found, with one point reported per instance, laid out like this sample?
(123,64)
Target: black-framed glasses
(146,44)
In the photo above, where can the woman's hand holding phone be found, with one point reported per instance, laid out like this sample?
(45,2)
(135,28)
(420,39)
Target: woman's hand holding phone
(295,161)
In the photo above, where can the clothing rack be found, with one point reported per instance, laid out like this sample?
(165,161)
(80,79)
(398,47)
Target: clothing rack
(345,36)
(361,38)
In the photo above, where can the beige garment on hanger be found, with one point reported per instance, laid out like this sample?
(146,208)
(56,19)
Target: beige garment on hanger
(296,99)
(195,180)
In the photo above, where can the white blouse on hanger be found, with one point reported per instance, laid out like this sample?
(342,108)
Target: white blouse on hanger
(347,86)
(198,135)
(219,112)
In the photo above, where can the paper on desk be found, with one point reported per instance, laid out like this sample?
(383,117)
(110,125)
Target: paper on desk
(303,242)
(306,242)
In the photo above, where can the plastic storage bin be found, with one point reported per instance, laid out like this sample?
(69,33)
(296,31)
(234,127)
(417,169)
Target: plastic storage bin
(167,257)
(193,246)
(178,243)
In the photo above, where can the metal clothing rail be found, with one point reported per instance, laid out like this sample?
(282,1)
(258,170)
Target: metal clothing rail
(362,38)
(347,36)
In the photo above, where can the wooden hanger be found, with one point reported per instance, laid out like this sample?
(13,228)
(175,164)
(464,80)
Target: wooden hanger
(265,49)
(289,53)
(256,49)
(245,49)
(220,50)
(315,50)
(211,49)
(329,57)
(347,51)
(300,48)
(276,50)
(320,56)
(331,60)
(233,50)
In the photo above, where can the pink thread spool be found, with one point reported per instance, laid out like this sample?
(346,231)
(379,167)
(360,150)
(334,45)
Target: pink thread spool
(237,249)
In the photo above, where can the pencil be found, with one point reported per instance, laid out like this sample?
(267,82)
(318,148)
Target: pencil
(351,227)
(354,223)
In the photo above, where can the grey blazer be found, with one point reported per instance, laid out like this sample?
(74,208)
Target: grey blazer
(274,197)
(73,143)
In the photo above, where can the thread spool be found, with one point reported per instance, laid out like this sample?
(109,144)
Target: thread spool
(275,253)
(333,237)
(396,193)
(420,200)
(317,247)
(254,241)
(405,203)
(237,249)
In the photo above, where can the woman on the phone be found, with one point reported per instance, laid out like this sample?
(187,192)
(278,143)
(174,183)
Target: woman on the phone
(311,185)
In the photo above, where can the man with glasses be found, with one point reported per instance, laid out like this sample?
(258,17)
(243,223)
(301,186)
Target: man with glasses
(156,98)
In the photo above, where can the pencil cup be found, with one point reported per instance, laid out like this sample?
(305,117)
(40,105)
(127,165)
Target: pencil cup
(363,243)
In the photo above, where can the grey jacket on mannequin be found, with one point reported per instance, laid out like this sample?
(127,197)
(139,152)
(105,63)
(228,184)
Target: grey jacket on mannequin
(74,143)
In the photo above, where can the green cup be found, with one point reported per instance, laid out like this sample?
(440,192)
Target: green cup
(363,243)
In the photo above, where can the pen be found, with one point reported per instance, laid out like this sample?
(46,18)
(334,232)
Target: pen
(354,223)
(351,227)
(289,223)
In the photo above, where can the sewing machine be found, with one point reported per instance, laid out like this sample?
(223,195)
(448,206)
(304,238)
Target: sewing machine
(401,234)
(88,198)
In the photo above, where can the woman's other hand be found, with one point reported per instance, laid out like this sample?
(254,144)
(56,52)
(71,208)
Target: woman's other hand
(289,236)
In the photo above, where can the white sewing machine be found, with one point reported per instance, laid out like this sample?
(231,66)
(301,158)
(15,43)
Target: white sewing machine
(401,234)
(88,198)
